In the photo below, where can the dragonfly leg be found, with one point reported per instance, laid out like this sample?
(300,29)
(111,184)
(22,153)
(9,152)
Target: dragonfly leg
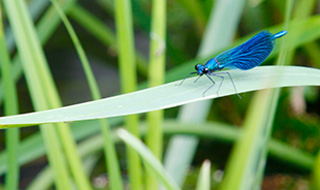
(186,78)
(197,79)
(203,94)
(222,77)
(217,74)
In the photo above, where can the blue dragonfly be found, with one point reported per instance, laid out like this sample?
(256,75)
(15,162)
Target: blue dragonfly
(245,56)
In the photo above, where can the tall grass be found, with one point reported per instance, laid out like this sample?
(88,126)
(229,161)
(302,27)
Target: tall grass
(10,108)
(74,150)
(110,154)
(45,96)
(128,80)
(156,76)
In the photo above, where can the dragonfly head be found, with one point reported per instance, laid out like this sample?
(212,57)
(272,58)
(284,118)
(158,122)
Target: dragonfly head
(201,69)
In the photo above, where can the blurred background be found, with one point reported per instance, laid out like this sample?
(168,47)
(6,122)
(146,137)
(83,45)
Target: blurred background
(296,122)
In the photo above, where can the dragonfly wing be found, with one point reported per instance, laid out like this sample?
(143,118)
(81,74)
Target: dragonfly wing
(249,54)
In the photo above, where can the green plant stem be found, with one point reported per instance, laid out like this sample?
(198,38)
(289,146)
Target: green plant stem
(10,108)
(157,55)
(316,172)
(128,81)
(12,143)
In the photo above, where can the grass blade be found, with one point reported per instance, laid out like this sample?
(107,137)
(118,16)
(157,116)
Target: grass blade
(128,81)
(156,77)
(316,173)
(45,178)
(32,147)
(10,108)
(27,45)
(247,162)
(244,161)
(45,96)
(149,159)
(204,176)
(110,153)
(170,95)
(35,7)
(46,26)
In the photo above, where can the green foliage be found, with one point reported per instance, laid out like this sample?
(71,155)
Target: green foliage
(117,35)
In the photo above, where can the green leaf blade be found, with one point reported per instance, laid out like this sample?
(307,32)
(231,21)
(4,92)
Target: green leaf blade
(171,95)
(149,159)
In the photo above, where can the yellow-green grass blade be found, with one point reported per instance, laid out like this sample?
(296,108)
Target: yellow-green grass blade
(35,7)
(46,26)
(44,96)
(241,172)
(157,56)
(128,80)
(25,36)
(10,108)
(316,173)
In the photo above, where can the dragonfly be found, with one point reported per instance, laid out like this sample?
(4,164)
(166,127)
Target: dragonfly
(244,57)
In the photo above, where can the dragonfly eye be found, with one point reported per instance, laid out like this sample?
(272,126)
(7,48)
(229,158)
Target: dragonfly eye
(197,66)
